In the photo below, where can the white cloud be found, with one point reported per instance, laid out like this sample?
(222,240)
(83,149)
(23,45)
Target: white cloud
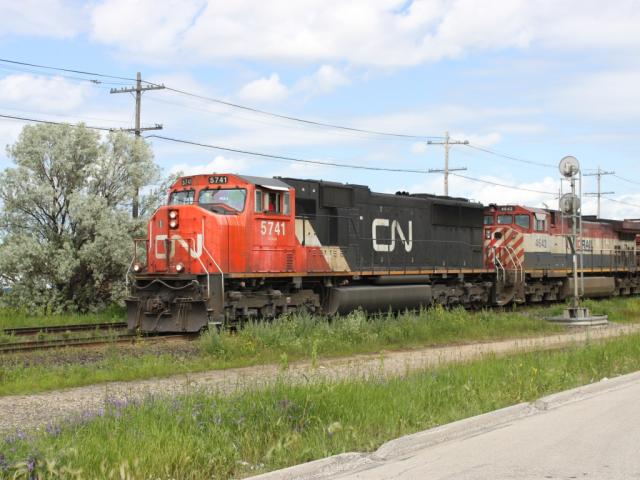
(612,95)
(219,164)
(144,27)
(521,128)
(629,209)
(485,140)
(324,80)
(51,18)
(361,32)
(45,93)
(9,132)
(264,90)
(418,147)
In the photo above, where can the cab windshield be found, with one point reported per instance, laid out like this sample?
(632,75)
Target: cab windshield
(183,197)
(226,201)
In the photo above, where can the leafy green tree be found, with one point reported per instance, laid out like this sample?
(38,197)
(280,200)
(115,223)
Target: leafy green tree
(64,212)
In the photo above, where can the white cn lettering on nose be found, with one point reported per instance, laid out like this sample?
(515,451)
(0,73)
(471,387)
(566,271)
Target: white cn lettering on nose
(177,239)
(380,223)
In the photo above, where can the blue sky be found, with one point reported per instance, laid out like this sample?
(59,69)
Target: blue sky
(536,80)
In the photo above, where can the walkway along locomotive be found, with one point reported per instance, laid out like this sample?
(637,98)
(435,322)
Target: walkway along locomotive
(227,248)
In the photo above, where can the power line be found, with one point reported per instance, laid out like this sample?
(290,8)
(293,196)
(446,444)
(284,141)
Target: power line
(69,70)
(622,202)
(298,119)
(231,104)
(626,179)
(255,119)
(293,159)
(333,164)
(63,115)
(496,184)
(509,157)
(51,122)
(284,158)
(94,81)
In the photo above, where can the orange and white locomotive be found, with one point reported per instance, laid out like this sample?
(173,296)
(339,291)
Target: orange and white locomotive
(531,243)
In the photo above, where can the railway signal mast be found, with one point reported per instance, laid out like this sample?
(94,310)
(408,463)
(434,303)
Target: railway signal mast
(447,143)
(570,206)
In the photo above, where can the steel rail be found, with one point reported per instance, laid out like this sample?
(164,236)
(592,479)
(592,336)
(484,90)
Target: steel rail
(82,342)
(81,327)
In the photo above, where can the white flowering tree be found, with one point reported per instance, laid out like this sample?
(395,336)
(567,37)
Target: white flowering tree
(67,232)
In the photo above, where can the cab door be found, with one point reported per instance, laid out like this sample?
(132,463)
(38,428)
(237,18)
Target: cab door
(273,230)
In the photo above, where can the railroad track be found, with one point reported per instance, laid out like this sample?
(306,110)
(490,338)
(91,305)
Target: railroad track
(80,327)
(33,345)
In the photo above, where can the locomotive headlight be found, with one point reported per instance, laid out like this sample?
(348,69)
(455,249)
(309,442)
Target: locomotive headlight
(173,214)
(137,267)
(179,268)
(173,223)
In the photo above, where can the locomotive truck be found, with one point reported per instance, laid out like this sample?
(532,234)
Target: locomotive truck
(229,248)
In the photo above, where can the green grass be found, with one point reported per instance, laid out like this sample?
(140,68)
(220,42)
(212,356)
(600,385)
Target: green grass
(355,333)
(210,436)
(13,319)
(300,337)
(296,337)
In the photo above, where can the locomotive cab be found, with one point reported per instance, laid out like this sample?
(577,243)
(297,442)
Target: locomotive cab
(212,226)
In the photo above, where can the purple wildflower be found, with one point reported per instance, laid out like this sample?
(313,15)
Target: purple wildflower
(53,430)
(117,403)
(20,435)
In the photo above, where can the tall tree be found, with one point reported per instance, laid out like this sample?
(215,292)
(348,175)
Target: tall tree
(66,241)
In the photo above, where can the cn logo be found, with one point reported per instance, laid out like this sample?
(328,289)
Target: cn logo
(177,239)
(380,223)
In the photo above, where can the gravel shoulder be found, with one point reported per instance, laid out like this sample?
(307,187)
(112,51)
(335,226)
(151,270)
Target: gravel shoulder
(34,411)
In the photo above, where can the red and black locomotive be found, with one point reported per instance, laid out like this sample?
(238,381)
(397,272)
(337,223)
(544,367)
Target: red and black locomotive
(229,248)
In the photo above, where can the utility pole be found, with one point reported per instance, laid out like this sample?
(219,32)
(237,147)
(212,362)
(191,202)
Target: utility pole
(598,173)
(138,89)
(447,143)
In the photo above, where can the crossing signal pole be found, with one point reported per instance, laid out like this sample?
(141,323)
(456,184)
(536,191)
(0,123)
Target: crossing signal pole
(447,143)
(598,173)
(138,129)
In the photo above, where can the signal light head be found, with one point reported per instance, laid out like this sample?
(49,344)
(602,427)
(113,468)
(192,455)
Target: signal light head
(173,223)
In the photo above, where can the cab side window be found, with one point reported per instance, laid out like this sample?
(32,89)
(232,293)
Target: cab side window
(286,204)
(268,202)
(259,201)
(272,202)
(523,221)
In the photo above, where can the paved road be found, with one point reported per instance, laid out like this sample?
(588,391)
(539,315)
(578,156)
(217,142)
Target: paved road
(597,438)
(587,433)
